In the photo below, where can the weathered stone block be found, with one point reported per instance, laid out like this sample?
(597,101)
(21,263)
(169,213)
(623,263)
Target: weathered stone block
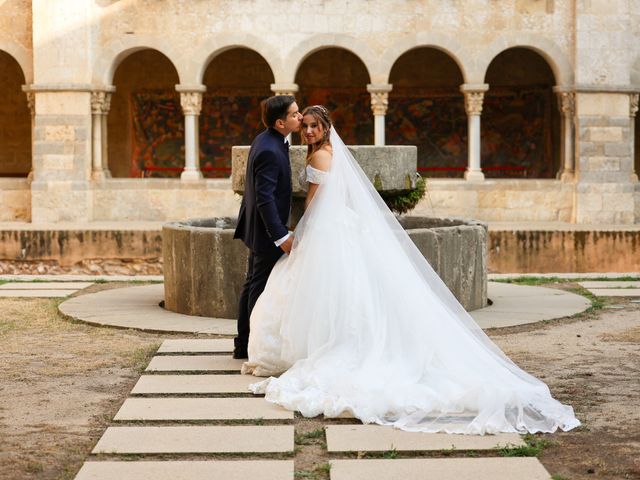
(389,168)
(57,162)
(602,104)
(605,134)
(61,133)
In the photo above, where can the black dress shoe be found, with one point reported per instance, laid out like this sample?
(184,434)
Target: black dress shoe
(240,353)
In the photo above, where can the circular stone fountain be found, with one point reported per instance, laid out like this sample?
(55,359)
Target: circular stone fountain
(204,267)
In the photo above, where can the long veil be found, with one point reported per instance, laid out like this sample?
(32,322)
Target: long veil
(369,328)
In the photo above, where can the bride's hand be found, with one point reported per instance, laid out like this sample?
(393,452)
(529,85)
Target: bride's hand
(287,245)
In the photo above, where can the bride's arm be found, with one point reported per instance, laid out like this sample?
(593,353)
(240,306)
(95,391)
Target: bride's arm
(320,160)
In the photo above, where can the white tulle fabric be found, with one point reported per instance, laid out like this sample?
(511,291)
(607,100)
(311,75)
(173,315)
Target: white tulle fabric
(359,322)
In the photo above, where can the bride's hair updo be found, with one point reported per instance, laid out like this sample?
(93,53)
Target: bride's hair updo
(321,114)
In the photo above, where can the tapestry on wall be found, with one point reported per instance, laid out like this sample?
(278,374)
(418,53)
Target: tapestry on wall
(158,139)
(158,134)
(515,128)
(350,110)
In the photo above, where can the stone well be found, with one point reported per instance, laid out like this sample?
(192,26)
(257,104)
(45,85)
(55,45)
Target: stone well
(204,267)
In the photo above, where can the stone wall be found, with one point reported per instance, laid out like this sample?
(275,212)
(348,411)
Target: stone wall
(52,251)
(151,199)
(498,200)
(558,251)
(15,200)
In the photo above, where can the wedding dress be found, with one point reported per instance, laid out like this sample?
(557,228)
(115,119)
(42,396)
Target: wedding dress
(360,323)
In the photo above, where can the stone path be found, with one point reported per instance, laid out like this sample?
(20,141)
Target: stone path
(183,421)
(41,289)
(613,288)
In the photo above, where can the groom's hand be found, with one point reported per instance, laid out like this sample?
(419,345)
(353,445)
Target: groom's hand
(287,244)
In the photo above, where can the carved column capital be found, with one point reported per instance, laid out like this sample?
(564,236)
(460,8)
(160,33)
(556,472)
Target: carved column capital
(379,103)
(567,103)
(284,89)
(100,102)
(473,102)
(191,102)
(473,97)
(31,102)
(633,106)
(379,98)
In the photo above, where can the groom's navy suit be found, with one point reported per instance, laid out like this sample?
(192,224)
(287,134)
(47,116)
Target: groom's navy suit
(262,220)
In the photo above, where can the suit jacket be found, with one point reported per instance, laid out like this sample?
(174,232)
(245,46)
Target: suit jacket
(266,202)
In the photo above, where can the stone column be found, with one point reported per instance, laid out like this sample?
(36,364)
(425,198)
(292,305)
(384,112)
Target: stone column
(633,110)
(100,104)
(62,153)
(379,105)
(285,89)
(473,98)
(31,102)
(604,190)
(191,102)
(103,123)
(566,104)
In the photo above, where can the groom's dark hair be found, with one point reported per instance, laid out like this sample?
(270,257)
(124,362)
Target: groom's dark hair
(274,108)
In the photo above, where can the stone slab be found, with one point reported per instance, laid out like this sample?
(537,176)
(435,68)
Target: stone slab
(609,284)
(522,304)
(376,438)
(196,439)
(37,293)
(177,363)
(172,384)
(138,307)
(496,468)
(615,292)
(212,345)
(188,470)
(201,409)
(45,285)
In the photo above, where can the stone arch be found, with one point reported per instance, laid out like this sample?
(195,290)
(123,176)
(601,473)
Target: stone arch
(547,49)
(236,80)
(15,119)
(145,121)
(521,124)
(214,46)
(426,109)
(113,55)
(21,56)
(337,78)
(306,48)
(444,43)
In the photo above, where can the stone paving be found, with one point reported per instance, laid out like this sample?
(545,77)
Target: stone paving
(41,289)
(138,307)
(149,439)
(613,288)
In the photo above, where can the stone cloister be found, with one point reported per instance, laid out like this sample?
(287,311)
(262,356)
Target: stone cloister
(108,115)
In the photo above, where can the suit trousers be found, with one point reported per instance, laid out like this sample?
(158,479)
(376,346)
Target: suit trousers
(258,270)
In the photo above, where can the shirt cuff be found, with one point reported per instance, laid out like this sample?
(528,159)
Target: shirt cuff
(282,240)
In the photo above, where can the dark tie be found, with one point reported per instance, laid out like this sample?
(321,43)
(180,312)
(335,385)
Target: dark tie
(286,144)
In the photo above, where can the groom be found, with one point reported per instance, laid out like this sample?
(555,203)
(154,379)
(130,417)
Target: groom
(265,207)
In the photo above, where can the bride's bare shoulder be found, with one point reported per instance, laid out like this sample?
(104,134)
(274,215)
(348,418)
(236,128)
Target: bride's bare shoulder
(321,159)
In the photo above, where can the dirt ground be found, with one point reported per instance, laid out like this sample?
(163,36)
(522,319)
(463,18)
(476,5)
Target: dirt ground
(61,383)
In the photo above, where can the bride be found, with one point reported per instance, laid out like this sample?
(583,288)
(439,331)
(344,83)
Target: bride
(360,323)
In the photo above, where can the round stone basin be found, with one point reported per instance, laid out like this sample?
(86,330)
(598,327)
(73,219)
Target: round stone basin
(204,267)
